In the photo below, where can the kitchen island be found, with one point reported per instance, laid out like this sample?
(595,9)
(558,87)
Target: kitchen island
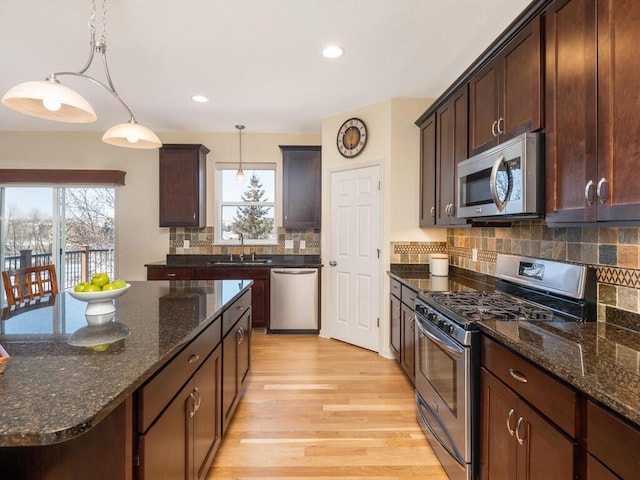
(54,395)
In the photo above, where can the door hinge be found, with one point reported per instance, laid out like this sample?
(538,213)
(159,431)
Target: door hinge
(378,322)
(379,186)
(136,461)
(378,250)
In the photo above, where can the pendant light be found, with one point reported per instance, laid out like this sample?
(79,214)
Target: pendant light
(240,173)
(51,100)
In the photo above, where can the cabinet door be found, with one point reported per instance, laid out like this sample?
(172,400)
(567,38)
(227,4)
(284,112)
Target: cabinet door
(407,355)
(395,325)
(207,428)
(570,112)
(165,448)
(182,185)
(302,186)
(618,110)
(483,108)
(521,83)
(498,420)
(543,450)
(244,350)
(451,148)
(428,172)
(229,376)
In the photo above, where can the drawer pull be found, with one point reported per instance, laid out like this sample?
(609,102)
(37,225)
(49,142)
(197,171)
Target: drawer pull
(509,417)
(194,358)
(171,274)
(518,375)
(520,439)
(192,412)
(199,399)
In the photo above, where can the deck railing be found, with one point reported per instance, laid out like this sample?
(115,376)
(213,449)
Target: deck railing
(80,265)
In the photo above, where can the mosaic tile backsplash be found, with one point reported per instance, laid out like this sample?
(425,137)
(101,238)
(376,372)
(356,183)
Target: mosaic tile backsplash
(202,242)
(614,253)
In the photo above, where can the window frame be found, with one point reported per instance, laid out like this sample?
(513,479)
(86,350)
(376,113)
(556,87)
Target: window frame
(219,204)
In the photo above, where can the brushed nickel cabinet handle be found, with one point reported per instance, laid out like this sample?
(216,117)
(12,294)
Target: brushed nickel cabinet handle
(194,215)
(171,274)
(520,439)
(603,196)
(588,192)
(501,121)
(518,375)
(199,400)
(493,128)
(509,417)
(194,358)
(192,412)
(433,211)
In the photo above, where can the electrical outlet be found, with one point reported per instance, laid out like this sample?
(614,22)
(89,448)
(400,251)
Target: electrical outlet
(186,243)
(288,244)
(303,244)
(474,254)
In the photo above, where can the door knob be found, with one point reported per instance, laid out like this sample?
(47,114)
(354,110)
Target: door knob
(333,263)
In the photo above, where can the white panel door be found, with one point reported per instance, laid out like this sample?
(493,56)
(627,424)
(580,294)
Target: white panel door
(354,263)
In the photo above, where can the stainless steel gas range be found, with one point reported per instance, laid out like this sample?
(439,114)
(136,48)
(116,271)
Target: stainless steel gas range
(447,345)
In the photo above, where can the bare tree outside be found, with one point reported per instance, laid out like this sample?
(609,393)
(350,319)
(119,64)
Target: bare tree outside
(90,217)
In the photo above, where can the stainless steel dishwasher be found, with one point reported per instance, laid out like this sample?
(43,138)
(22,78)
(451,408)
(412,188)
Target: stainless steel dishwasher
(294,300)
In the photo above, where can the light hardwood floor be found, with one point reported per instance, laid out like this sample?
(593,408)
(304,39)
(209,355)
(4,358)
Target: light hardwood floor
(322,409)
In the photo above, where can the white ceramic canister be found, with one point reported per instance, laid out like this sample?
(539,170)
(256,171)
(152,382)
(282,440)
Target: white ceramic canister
(439,264)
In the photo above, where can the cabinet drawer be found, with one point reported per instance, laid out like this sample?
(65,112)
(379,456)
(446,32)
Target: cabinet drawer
(409,296)
(555,400)
(159,391)
(613,441)
(395,287)
(168,273)
(235,311)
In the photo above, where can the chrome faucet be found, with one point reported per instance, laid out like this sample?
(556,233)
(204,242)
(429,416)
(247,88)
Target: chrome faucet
(241,247)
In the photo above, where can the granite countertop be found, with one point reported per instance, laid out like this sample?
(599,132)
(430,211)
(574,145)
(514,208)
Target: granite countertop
(52,391)
(224,261)
(600,359)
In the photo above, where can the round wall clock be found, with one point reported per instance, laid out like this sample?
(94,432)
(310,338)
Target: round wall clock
(352,137)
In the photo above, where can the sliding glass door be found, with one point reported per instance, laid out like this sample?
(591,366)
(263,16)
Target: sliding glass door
(71,227)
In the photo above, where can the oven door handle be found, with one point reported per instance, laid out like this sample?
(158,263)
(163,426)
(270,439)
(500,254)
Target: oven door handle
(455,350)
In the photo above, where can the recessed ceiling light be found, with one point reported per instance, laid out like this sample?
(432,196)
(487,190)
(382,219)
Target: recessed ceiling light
(200,99)
(333,51)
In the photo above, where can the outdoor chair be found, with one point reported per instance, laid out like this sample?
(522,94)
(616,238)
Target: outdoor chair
(28,285)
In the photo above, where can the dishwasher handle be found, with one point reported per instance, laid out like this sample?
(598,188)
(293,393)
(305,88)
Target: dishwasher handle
(294,272)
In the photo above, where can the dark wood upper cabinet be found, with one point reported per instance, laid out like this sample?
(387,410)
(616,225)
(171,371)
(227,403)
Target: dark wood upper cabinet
(428,172)
(182,185)
(451,148)
(301,186)
(593,111)
(570,110)
(505,97)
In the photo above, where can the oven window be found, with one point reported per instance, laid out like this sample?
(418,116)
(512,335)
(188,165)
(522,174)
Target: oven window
(439,368)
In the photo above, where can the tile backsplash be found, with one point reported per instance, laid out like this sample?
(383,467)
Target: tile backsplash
(201,241)
(614,253)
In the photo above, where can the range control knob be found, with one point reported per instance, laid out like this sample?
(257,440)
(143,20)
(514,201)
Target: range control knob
(431,317)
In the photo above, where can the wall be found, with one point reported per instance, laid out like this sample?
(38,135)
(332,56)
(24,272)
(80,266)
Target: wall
(394,144)
(139,239)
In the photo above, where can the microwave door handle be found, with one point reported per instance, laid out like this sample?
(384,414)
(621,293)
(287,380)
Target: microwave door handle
(492,183)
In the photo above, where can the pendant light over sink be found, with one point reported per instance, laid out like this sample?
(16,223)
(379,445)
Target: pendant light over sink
(240,173)
(51,100)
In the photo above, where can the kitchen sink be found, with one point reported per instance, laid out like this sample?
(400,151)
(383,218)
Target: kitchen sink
(257,261)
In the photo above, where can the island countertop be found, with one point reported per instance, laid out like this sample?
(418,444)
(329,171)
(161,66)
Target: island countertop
(52,391)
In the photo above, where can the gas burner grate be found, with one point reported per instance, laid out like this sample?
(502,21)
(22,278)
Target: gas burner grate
(480,306)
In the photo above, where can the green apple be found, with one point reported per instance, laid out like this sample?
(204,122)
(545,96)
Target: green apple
(109,286)
(91,288)
(100,279)
(80,287)
(120,283)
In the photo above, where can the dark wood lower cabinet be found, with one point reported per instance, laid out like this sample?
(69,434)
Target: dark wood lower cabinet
(236,364)
(395,315)
(182,441)
(516,442)
(407,355)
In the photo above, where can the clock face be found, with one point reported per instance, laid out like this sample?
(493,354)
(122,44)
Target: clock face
(352,137)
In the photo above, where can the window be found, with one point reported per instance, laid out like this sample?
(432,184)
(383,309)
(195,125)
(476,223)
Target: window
(246,207)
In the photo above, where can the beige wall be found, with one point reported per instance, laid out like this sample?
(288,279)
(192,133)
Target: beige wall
(139,238)
(394,145)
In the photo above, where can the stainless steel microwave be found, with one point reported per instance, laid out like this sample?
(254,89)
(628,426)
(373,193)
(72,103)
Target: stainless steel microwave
(507,180)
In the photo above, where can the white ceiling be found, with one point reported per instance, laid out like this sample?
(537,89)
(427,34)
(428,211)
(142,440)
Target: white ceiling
(259,61)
